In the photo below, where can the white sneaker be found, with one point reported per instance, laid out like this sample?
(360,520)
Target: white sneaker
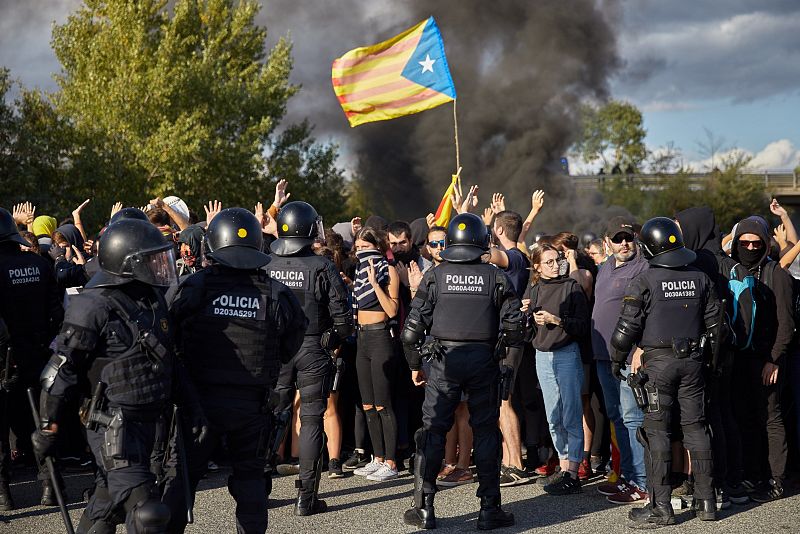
(383,474)
(368,469)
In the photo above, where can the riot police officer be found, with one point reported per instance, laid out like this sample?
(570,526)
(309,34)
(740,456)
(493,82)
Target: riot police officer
(666,311)
(466,305)
(322,294)
(30,306)
(235,326)
(117,342)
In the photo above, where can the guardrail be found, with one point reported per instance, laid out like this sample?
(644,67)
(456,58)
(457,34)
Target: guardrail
(781,182)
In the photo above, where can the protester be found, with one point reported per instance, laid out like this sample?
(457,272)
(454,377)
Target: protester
(376,289)
(557,306)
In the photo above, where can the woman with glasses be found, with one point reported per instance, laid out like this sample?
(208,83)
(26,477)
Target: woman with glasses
(558,315)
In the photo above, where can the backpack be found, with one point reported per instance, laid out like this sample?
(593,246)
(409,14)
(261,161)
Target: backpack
(743,303)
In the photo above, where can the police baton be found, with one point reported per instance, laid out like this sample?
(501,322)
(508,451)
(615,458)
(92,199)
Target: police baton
(52,469)
(183,464)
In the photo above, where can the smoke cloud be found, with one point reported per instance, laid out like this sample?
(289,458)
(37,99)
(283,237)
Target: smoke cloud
(521,70)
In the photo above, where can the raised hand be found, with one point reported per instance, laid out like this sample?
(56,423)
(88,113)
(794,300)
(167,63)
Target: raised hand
(430,220)
(213,208)
(355,225)
(777,209)
(471,200)
(76,213)
(114,209)
(281,196)
(488,214)
(498,203)
(537,201)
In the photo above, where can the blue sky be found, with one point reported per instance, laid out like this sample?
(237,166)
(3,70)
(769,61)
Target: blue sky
(732,66)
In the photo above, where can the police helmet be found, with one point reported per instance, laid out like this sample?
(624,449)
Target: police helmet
(298,225)
(128,213)
(662,243)
(130,250)
(467,239)
(234,239)
(8,229)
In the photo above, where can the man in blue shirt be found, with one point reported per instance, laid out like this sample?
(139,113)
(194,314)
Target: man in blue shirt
(612,279)
(505,255)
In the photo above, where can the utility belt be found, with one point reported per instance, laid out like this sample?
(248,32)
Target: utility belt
(680,348)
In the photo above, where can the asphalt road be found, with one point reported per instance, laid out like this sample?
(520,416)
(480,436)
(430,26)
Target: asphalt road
(356,505)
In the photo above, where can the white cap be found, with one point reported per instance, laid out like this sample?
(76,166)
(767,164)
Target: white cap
(178,205)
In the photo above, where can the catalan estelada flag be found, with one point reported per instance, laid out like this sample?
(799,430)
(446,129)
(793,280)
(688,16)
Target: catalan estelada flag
(404,75)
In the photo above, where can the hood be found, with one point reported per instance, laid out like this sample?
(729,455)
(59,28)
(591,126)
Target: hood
(699,229)
(752,225)
(419,232)
(192,236)
(72,234)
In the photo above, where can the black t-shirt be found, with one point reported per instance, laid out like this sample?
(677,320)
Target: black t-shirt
(518,270)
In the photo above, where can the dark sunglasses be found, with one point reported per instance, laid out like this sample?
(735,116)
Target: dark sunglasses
(436,244)
(757,244)
(619,238)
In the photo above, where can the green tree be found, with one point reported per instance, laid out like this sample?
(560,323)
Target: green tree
(181,99)
(614,127)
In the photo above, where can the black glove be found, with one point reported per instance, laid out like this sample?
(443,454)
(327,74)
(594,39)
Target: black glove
(432,350)
(44,444)
(57,252)
(199,423)
(8,383)
(617,368)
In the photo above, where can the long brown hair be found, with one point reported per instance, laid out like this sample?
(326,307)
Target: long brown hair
(536,259)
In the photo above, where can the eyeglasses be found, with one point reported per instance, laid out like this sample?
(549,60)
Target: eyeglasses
(757,244)
(619,238)
(436,244)
(550,263)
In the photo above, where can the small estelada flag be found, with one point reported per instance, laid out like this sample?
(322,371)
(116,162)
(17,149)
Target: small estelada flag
(404,75)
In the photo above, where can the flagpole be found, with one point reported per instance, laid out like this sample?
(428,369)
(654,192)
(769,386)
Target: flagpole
(455,126)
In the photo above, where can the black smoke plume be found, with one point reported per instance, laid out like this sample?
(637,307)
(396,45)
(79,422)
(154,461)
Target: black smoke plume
(521,69)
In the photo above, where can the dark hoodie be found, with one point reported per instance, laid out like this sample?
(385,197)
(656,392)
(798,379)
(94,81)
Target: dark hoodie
(774,318)
(700,234)
(70,274)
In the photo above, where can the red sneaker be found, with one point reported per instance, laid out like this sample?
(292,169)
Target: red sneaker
(630,495)
(547,469)
(584,471)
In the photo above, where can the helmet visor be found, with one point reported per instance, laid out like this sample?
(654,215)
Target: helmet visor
(157,268)
(320,228)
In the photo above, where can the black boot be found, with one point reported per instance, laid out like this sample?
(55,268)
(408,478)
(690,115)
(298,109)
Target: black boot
(308,503)
(652,516)
(492,516)
(705,509)
(6,502)
(422,517)
(49,494)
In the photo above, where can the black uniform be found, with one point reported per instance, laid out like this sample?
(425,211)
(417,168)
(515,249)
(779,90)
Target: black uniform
(464,307)
(30,306)
(323,296)
(235,327)
(667,310)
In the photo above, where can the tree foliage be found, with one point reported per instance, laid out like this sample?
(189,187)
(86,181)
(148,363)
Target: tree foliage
(157,99)
(614,128)
(730,192)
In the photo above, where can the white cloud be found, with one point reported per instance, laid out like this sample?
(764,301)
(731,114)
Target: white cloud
(656,106)
(780,155)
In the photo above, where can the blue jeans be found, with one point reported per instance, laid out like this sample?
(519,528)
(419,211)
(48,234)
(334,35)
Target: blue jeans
(561,377)
(626,417)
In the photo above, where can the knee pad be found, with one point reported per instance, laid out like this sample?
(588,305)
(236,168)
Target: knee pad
(151,517)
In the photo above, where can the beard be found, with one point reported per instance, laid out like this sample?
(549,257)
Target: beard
(625,256)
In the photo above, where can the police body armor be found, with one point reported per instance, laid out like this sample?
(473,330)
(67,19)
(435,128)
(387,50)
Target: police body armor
(466,308)
(232,340)
(300,274)
(676,306)
(137,362)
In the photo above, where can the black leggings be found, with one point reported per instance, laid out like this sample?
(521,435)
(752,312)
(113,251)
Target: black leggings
(375,363)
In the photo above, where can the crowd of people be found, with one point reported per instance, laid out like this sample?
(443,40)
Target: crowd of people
(354,386)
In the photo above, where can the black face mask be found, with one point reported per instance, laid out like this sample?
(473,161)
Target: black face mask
(749,257)
(405,257)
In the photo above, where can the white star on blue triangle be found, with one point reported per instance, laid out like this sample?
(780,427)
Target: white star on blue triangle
(427,66)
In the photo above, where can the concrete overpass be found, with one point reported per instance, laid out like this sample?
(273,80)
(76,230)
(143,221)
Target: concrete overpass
(783,185)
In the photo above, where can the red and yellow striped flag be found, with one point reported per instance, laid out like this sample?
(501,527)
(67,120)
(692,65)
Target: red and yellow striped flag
(404,75)
(445,209)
